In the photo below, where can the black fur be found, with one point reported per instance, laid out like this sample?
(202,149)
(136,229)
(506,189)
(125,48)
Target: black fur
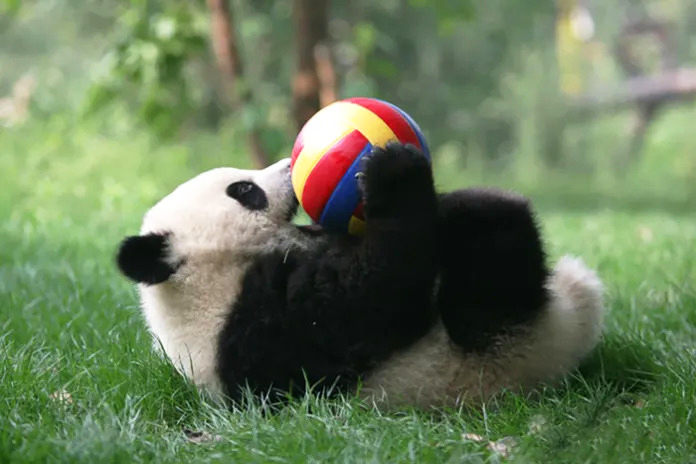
(248,194)
(141,258)
(329,315)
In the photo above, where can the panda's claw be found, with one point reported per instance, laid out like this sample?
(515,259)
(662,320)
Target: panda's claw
(360,179)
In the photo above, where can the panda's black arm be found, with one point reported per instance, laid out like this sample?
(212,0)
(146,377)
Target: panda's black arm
(375,297)
(397,258)
(335,312)
(398,255)
(378,292)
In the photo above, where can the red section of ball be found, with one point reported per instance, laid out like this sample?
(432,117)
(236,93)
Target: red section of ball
(396,122)
(329,171)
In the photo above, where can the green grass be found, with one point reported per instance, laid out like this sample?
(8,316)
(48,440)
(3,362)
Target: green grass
(69,323)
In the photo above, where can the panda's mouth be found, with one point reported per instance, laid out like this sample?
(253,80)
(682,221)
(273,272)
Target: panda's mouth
(293,208)
(313,230)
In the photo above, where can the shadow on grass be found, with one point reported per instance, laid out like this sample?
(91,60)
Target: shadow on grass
(626,365)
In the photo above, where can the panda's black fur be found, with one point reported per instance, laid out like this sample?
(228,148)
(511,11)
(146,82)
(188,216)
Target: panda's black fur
(335,310)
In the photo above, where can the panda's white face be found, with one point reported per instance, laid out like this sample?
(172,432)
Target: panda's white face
(225,208)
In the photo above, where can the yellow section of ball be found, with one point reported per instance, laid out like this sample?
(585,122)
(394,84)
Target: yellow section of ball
(356,226)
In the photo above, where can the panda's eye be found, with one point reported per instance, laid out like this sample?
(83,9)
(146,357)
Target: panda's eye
(248,194)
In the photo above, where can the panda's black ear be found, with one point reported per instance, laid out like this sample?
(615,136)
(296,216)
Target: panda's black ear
(142,258)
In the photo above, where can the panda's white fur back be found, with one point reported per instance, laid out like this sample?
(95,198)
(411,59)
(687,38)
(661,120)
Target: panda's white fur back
(435,372)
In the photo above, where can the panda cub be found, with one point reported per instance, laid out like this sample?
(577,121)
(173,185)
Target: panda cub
(445,299)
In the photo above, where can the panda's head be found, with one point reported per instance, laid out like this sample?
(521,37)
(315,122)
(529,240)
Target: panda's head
(218,211)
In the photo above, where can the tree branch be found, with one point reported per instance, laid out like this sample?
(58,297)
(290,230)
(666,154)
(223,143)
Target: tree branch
(326,73)
(679,84)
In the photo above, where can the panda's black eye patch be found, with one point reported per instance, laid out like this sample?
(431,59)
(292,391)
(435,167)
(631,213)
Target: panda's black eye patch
(248,194)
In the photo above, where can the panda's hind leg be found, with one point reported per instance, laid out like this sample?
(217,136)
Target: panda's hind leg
(492,265)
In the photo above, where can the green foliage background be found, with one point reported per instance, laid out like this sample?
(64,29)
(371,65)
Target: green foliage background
(126,107)
(479,77)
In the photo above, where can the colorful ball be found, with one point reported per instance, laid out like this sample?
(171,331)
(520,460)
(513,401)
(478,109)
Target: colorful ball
(327,152)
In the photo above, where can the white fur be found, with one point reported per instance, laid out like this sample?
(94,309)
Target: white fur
(215,238)
(434,372)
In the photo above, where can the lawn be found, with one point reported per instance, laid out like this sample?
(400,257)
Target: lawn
(79,383)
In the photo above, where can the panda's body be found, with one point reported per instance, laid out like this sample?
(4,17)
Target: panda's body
(446,298)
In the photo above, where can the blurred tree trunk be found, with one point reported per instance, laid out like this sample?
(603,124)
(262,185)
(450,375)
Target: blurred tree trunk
(314,83)
(229,63)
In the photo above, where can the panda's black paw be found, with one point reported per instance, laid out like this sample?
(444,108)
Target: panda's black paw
(395,165)
(396,178)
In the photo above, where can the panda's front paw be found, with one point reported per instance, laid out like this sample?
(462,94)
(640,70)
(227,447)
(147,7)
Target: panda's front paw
(396,177)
